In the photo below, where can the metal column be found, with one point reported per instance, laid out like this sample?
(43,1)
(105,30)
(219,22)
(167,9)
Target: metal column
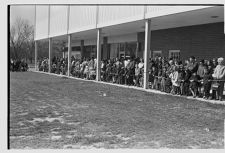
(35,55)
(98,68)
(69,54)
(50,54)
(147,52)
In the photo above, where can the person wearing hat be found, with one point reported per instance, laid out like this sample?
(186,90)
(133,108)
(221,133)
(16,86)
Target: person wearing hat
(219,74)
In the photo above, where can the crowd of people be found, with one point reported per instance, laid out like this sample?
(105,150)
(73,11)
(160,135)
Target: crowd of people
(204,78)
(58,65)
(43,64)
(18,65)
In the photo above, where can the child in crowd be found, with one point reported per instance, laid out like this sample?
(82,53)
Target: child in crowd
(109,71)
(53,70)
(168,83)
(181,77)
(186,83)
(86,75)
(114,73)
(194,84)
(151,79)
(175,81)
(121,76)
(159,80)
(155,75)
(163,80)
(207,83)
(141,80)
(137,75)
(103,70)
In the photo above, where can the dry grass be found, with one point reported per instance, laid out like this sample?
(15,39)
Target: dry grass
(52,112)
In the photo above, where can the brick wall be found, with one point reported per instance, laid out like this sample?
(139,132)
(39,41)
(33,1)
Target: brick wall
(202,41)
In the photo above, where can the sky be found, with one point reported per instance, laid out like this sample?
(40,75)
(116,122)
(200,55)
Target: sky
(23,11)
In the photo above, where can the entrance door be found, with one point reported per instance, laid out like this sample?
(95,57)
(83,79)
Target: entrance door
(131,48)
(122,54)
(122,50)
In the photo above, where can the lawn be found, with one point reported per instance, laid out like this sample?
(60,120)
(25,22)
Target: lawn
(53,112)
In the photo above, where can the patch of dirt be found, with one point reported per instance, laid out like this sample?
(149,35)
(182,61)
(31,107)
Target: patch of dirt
(56,137)
(48,119)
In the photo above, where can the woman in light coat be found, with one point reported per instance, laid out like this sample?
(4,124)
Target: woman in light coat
(219,74)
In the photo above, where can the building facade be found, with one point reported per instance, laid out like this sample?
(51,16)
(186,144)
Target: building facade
(109,31)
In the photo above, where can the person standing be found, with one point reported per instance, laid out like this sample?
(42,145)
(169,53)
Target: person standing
(175,81)
(206,83)
(200,73)
(194,84)
(219,74)
(91,67)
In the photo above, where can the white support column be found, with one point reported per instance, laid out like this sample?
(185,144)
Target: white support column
(50,54)
(147,52)
(35,42)
(35,55)
(98,68)
(69,53)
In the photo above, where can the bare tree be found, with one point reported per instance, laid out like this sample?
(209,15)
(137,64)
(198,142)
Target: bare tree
(22,42)
(21,39)
(43,50)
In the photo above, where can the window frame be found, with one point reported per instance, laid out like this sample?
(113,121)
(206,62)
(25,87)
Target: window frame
(174,51)
(156,51)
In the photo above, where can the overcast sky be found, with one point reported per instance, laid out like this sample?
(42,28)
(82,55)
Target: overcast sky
(23,11)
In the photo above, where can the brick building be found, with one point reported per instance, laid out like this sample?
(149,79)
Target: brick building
(104,31)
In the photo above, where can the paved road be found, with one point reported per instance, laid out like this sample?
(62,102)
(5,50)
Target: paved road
(53,112)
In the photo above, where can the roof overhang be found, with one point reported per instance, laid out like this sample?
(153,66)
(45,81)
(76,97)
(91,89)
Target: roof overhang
(190,18)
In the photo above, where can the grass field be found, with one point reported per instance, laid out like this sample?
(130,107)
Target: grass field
(53,112)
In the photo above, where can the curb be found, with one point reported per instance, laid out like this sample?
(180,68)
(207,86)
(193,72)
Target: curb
(134,87)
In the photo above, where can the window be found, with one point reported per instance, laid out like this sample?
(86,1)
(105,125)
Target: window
(122,50)
(76,48)
(121,55)
(175,54)
(92,55)
(122,47)
(76,54)
(141,46)
(93,51)
(157,53)
(114,50)
(131,48)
